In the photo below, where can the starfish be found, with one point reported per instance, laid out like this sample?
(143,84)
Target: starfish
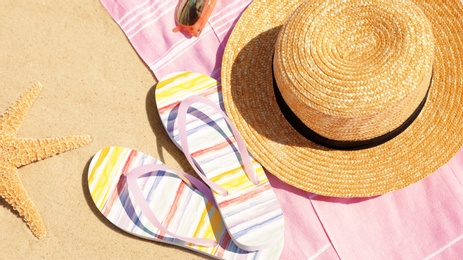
(16,152)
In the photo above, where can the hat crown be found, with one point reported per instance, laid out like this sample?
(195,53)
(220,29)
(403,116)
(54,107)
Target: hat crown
(354,70)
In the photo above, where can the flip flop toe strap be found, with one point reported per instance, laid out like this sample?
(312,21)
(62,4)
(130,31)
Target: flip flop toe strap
(145,208)
(181,117)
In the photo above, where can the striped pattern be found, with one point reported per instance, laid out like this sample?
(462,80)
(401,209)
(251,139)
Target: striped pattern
(148,25)
(182,209)
(251,213)
(306,238)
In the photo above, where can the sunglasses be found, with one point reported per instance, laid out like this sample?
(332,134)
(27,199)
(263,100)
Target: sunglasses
(192,15)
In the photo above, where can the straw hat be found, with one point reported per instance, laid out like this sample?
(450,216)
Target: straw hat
(347,98)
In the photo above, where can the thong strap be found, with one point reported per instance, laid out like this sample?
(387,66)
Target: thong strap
(145,208)
(181,117)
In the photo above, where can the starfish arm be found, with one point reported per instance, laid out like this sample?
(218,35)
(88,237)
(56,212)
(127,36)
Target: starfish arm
(12,190)
(27,150)
(11,120)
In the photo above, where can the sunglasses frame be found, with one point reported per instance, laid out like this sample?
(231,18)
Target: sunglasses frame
(196,28)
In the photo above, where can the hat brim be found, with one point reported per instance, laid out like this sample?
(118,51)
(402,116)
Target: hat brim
(428,143)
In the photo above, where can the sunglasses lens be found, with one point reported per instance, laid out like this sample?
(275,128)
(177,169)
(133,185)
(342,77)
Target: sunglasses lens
(189,11)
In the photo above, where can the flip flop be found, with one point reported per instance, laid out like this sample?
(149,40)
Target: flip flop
(145,198)
(190,107)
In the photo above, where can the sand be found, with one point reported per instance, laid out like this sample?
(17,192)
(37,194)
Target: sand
(93,83)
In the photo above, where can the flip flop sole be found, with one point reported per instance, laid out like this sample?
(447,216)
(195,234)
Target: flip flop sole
(181,208)
(251,212)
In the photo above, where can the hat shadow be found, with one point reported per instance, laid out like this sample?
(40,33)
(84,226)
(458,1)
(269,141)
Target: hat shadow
(338,200)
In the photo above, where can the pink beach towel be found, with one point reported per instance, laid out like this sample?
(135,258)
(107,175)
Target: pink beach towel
(422,221)
(148,25)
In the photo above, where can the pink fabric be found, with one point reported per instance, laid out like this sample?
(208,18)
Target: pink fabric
(424,220)
(148,25)
(305,237)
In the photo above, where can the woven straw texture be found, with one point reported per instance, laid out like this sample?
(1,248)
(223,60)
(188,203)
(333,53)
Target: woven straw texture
(351,71)
(362,66)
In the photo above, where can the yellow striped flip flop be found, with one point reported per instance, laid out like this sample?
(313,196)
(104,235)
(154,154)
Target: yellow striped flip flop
(145,198)
(190,107)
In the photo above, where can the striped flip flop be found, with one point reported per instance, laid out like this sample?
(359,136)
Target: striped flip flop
(145,198)
(190,107)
